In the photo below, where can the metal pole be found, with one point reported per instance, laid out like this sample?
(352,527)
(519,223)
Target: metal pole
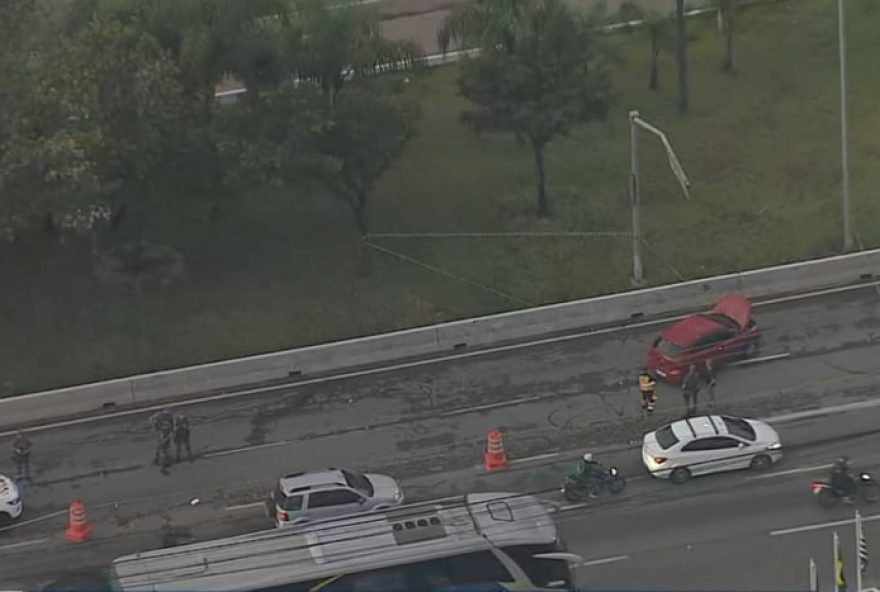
(844,156)
(834,562)
(638,278)
(858,529)
(814,577)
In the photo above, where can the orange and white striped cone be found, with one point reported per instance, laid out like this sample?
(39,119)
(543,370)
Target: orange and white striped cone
(78,530)
(494,459)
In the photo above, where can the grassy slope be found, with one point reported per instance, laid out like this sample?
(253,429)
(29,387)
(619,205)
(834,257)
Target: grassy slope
(277,270)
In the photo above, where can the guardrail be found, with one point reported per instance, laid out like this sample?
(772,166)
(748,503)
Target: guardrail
(437,340)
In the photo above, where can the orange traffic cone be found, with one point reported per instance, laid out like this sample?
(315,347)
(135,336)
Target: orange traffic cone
(78,530)
(494,459)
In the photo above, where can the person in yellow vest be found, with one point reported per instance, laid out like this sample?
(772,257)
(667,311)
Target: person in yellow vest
(646,386)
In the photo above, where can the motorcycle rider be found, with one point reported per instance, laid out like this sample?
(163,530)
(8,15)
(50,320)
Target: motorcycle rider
(841,479)
(590,472)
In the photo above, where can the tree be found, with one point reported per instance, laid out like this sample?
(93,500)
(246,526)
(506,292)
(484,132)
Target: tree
(483,24)
(116,80)
(103,111)
(545,80)
(656,24)
(366,129)
(343,43)
(46,173)
(725,21)
(272,141)
(681,55)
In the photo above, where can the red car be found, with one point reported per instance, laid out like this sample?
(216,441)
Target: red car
(726,333)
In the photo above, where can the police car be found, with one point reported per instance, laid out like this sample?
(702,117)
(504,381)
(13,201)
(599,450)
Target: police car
(10,500)
(709,444)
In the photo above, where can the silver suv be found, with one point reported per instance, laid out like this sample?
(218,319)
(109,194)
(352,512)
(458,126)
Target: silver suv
(302,497)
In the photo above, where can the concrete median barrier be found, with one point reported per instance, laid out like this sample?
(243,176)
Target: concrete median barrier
(446,338)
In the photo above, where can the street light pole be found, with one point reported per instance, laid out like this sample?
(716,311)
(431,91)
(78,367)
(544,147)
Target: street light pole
(844,156)
(635,122)
(638,278)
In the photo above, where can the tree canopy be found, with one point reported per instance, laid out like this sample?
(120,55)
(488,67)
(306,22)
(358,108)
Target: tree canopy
(544,79)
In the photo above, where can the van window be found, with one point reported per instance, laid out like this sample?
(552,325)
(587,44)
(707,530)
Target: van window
(471,568)
(291,503)
(334,497)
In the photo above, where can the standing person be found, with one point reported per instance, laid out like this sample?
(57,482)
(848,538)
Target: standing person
(165,448)
(690,389)
(646,387)
(21,453)
(163,425)
(709,374)
(181,436)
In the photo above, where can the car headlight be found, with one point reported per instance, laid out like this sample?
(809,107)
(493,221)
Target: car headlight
(775,446)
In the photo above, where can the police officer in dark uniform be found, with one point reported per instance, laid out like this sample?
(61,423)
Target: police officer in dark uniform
(646,387)
(690,390)
(163,424)
(21,453)
(181,435)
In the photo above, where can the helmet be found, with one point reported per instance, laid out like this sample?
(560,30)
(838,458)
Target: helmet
(588,457)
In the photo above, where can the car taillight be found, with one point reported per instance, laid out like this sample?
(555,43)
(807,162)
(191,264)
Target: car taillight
(282,516)
(659,459)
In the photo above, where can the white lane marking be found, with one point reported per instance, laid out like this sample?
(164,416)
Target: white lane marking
(417,363)
(762,359)
(817,293)
(604,560)
(789,472)
(247,449)
(810,527)
(488,406)
(244,506)
(572,507)
(534,458)
(25,543)
(34,520)
(822,411)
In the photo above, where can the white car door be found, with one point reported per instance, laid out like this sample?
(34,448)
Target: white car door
(698,456)
(730,454)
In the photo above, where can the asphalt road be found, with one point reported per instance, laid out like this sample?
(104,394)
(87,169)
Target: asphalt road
(738,531)
(718,532)
(432,418)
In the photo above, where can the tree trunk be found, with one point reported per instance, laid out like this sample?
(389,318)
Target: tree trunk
(681,55)
(538,152)
(727,10)
(654,82)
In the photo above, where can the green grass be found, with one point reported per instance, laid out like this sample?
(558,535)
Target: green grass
(279,269)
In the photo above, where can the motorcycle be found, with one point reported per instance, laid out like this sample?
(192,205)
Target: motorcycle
(575,489)
(828,497)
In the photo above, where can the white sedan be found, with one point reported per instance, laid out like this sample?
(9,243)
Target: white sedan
(10,500)
(709,444)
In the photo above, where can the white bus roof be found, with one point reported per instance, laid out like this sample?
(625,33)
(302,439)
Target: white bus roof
(409,533)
